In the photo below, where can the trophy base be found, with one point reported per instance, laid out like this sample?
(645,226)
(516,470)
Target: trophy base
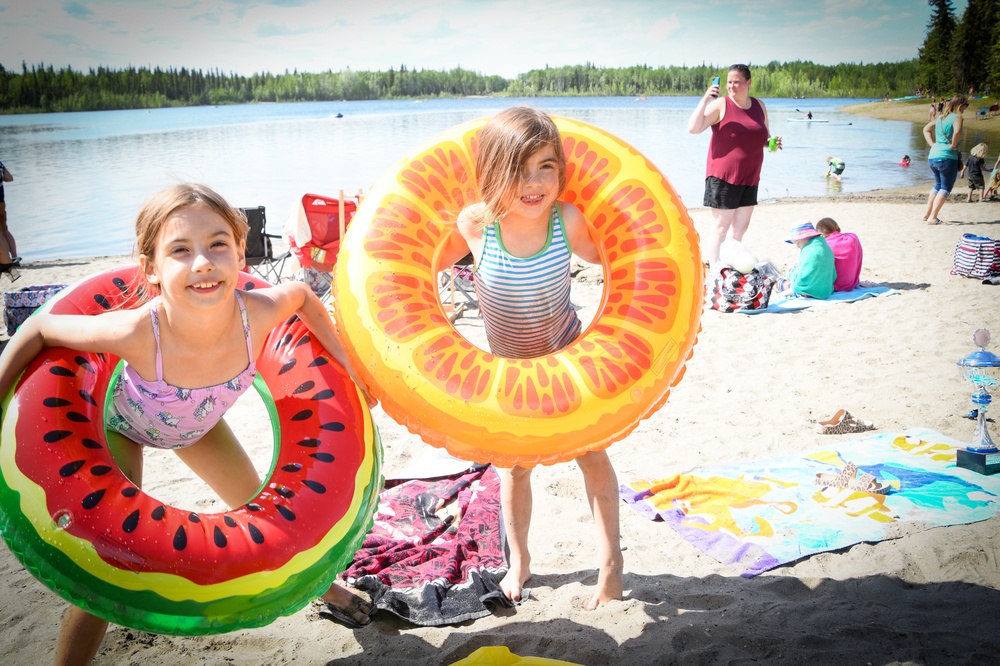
(983,463)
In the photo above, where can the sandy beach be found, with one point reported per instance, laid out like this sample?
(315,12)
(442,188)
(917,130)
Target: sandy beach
(754,389)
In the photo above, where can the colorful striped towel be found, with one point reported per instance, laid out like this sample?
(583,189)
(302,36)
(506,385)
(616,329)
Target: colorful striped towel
(755,516)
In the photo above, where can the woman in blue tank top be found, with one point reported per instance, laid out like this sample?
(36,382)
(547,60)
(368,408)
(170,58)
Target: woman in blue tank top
(521,237)
(943,136)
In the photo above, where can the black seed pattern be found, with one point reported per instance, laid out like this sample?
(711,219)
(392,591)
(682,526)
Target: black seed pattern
(77,417)
(56,402)
(322,457)
(314,486)
(131,522)
(305,386)
(335,426)
(71,468)
(100,470)
(285,512)
(287,493)
(60,371)
(89,398)
(303,415)
(219,538)
(304,340)
(84,363)
(91,443)
(130,491)
(255,534)
(102,301)
(230,522)
(180,539)
(310,442)
(291,467)
(92,500)
(318,361)
(254,507)
(120,283)
(158,512)
(194,517)
(325,394)
(53,436)
(287,366)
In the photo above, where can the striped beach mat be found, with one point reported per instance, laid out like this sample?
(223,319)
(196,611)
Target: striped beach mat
(976,257)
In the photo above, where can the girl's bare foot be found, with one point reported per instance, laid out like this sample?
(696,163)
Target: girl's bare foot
(345,603)
(610,585)
(512,584)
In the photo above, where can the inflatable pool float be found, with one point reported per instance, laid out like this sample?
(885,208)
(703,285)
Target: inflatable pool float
(544,410)
(85,531)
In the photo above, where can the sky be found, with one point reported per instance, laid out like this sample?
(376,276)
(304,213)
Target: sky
(503,37)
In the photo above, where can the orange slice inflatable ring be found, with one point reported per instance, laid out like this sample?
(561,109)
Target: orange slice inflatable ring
(83,529)
(544,410)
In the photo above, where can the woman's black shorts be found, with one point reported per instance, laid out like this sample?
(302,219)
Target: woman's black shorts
(720,194)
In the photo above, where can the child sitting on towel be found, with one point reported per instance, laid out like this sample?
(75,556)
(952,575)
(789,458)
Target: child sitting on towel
(847,254)
(814,274)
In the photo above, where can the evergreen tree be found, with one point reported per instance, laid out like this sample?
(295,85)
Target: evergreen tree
(973,43)
(935,56)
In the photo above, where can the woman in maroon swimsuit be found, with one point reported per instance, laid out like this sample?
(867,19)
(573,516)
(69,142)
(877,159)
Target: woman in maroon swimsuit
(735,155)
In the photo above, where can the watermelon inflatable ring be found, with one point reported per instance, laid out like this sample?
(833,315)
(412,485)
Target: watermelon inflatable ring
(85,531)
(523,412)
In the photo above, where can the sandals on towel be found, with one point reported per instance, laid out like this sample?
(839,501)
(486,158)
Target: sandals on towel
(848,479)
(841,423)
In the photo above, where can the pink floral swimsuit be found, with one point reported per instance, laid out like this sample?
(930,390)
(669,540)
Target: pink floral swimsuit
(156,414)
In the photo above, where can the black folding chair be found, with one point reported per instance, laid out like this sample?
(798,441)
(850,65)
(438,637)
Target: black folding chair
(260,257)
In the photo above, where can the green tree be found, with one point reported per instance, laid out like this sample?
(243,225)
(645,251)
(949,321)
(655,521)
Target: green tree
(935,56)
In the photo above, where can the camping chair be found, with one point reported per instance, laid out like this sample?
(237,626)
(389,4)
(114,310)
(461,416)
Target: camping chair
(260,257)
(314,234)
(458,280)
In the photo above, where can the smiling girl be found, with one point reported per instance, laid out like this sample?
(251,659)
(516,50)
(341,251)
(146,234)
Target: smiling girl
(521,237)
(187,357)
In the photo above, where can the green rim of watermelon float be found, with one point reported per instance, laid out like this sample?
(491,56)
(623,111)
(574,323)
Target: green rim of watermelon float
(85,531)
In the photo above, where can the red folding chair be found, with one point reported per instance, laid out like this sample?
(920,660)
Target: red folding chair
(314,236)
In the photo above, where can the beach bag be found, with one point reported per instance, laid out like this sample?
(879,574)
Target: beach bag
(18,305)
(732,291)
(976,257)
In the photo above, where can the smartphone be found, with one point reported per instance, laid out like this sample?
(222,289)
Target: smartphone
(715,82)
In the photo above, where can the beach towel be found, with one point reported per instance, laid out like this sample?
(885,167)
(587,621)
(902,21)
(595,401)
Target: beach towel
(436,552)
(754,516)
(793,303)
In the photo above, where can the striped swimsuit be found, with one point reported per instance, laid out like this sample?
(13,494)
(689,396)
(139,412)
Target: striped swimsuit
(524,302)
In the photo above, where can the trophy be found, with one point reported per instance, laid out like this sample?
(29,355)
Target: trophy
(981,368)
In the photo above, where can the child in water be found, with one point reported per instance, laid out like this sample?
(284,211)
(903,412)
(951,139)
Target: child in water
(834,166)
(905,162)
(521,237)
(190,245)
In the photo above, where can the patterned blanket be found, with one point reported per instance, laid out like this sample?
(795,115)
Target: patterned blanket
(436,553)
(792,303)
(755,516)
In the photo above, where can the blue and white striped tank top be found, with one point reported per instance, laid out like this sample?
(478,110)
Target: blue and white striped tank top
(525,302)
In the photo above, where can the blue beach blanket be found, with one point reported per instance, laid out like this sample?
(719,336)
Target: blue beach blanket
(755,516)
(793,303)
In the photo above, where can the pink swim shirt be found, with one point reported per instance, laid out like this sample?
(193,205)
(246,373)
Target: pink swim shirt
(847,256)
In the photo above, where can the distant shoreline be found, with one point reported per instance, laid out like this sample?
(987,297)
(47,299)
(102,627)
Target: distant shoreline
(917,111)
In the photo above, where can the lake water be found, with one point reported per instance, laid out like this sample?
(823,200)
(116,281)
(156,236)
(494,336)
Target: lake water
(80,178)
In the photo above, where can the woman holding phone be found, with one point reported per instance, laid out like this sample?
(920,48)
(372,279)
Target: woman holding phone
(735,155)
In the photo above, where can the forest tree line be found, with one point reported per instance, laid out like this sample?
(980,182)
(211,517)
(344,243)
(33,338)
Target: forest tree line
(957,54)
(963,53)
(41,88)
